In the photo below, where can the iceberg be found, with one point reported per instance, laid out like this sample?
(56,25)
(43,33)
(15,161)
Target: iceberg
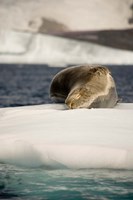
(53,137)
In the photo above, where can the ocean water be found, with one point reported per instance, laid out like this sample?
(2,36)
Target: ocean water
(29,85)
(41,184)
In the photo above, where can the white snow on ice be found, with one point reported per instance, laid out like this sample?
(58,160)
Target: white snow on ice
(52,136)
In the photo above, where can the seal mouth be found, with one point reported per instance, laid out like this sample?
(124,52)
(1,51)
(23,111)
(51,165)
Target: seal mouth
(71,102)
(76,104)
(70,105)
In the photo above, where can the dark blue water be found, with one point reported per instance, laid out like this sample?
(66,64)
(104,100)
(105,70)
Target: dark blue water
(28,85)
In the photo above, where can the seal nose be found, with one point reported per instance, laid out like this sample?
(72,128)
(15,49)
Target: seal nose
(70,104)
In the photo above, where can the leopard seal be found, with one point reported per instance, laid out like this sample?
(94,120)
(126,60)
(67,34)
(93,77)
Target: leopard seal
(84,86)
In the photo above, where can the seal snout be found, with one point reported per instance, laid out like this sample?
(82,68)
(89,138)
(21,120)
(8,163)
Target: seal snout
(70,104)
(73,100)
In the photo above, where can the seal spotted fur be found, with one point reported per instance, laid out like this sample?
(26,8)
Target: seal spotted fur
(86,86)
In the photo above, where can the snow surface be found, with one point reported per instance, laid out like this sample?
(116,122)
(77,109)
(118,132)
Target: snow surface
(51,136)
(17,47)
